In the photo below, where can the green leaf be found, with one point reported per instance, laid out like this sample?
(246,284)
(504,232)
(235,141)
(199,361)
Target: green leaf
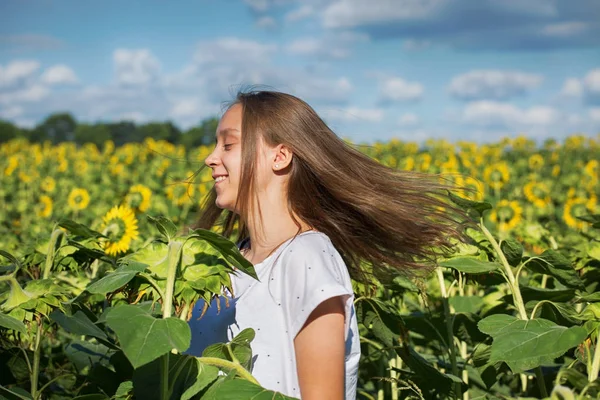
(15,393)
(164,226)
(239,347)
(12,323)
(479,206)
(10,258)
(93,396)
(124,389)
(241,389)
(79,324)
(466,304)
(228,250)
(17,296)
(552,263)
(524,345)
(561,313)
(143,337)
(79,229)
(117,278)
(205,375)
(594,219)
(470,265)
(513,251)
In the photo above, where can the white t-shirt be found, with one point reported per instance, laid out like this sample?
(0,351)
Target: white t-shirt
(297,277)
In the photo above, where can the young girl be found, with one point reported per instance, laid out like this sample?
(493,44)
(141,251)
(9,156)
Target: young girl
(312,212)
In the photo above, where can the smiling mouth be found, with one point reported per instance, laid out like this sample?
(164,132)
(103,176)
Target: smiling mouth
(219,180)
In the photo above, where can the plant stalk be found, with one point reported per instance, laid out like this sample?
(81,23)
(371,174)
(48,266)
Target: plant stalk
(593,374)
(514,285)
(440,276)
(55,238)
(37,353)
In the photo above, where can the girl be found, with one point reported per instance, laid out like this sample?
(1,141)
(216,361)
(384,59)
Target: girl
(312,212)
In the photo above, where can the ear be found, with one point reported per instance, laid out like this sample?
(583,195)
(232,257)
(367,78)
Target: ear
(283,157)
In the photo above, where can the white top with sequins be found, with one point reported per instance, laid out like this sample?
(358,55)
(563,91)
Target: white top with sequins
(298,276)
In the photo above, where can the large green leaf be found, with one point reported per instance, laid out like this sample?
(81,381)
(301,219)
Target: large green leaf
(241,389)
(154,255)
(390,330)
(524,345)
(513,251)
(117,278)
(470,265)
(164,226)
(228,250)
(466,304)
(479,206)
(12,323)
(552,263)
(143,337)
(15,393)
(239,347)
(78,323)
(79,229)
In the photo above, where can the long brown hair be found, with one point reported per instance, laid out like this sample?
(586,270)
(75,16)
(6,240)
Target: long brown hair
(378,218)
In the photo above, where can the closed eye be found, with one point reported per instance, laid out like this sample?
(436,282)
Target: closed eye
(227,146)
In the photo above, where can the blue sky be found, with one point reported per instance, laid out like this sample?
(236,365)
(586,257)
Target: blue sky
(373,69)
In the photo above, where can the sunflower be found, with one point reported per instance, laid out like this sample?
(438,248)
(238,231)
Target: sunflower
(139,197)
(537,193)
(476,185)
(120,227)
(407,163)
(496,175)
(424,162)
(536,162)
(556,170)
(48,184)
(63,164)
(575,207)
(180,194)
(45,207)
(79,199)
(81,167)
(507,214)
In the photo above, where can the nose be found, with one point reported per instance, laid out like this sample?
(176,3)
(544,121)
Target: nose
(212,159)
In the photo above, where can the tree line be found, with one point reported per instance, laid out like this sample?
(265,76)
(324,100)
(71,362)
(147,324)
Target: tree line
(63,127)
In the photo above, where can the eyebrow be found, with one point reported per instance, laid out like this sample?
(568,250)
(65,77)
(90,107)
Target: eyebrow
(224,132)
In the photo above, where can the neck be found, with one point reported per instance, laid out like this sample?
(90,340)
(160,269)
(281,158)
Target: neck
(277,225)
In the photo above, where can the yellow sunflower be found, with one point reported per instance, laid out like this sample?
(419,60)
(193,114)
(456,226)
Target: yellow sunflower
(79,199)
(496,175)
(48,184)
(475,184)
(120,227)
(507,214)
(578,206)
(139,197)
(556,170)
(537,193)
(45,207)
(407,163)
(536,162)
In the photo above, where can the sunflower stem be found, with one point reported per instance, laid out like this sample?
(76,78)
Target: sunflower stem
(55,239)
(174,256)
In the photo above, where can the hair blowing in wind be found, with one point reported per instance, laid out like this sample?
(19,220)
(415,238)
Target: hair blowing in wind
(378,218)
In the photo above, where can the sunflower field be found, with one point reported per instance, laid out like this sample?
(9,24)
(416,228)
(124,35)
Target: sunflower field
(100,271)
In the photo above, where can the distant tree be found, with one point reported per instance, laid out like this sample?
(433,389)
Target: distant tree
(202,135)
(97,134)
(58,127)
(159,131)
(9,131)
(123,132)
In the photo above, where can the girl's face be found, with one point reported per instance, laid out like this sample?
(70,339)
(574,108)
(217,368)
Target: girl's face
(226,159)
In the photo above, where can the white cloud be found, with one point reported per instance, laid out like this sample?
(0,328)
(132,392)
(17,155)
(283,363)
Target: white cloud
(408,119)
(351,13)
(354,114)
(572,88)
(266,22)
(594,114)
(591,82)
(300,13)
(564,29)
(135,67)
(493,84)
(135,116)
(328,46)
(59,75)
(400,90)
(28,94)
(492,113)
(17,72)
(11,112)
(233,50)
